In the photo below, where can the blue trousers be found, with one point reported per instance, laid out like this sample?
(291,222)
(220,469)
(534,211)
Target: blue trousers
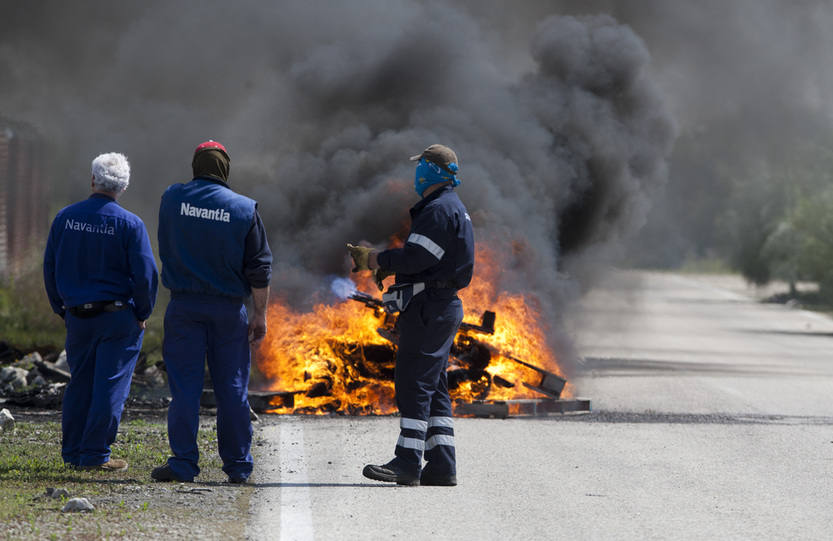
(212,329)
(427,329)
(101,353)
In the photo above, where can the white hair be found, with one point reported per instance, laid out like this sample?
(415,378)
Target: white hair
(111,172)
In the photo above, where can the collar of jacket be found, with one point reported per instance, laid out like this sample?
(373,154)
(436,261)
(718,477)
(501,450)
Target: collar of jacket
(430,197)
(98,195)
(212,179)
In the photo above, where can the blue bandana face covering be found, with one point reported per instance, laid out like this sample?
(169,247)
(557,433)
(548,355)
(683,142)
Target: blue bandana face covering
(429,173)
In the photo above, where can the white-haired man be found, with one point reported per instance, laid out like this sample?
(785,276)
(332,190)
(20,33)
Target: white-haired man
(101,278)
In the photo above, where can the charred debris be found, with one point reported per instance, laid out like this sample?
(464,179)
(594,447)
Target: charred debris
(468,362)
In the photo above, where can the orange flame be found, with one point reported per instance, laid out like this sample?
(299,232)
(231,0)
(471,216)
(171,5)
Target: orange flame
(334,360)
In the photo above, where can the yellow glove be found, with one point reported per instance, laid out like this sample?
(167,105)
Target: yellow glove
(361,257)
(379,275)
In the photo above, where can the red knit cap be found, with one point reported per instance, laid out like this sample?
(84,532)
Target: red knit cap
(211,145)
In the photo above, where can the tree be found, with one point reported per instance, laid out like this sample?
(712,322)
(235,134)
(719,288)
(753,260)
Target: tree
(813,223)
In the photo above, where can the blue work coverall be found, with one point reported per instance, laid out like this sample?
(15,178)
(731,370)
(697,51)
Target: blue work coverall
(98,252)
(214,250)
(439,252)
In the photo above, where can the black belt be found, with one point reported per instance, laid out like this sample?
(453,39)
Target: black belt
(441,284)
(91,309)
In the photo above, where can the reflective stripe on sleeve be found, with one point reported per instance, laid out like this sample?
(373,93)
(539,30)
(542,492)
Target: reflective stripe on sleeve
(411,443)
(428,244)
(413,424)
(439,439)
(441,421)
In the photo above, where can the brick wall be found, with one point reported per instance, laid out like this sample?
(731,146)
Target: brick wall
(23,208)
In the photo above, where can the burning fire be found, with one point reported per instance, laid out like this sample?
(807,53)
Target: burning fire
(333,359)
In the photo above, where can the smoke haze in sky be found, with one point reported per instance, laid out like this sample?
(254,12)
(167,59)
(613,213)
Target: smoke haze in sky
(563,113)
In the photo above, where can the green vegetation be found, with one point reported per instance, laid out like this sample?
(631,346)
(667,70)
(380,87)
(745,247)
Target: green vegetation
(784,228)
(762,209)
(26,319)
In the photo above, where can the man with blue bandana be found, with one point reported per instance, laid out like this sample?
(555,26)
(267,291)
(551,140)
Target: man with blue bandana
(101,277)
(436,261)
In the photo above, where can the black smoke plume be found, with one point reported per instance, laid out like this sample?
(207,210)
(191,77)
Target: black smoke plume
(562,142)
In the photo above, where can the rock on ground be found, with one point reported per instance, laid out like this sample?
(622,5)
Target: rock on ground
(6,420)
(77,505)
(57,493)
(12,378)
(61,361)
(32,358)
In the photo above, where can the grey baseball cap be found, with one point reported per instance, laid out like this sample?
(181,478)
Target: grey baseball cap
(440,155)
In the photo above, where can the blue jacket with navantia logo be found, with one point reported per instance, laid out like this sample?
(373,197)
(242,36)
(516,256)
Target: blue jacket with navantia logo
(440,244)
(211,241)
(98,251)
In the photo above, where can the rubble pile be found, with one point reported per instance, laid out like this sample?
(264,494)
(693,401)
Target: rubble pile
(33,380)
(30,380)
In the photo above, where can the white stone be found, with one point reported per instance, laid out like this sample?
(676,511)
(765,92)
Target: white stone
(58,493)
(78,504)
(6,421)
(32,358)
(61,362)
(13,377)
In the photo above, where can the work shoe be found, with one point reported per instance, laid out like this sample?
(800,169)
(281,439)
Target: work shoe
(238,480)
(114,464)
(165,473)
(392,472)
(428,480)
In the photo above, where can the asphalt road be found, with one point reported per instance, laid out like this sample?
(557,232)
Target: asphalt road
(713,419)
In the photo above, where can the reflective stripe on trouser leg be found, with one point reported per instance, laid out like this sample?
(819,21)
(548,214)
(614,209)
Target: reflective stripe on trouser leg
(411,442)
(413,424)
(440,452)
(440,421)
(439,439)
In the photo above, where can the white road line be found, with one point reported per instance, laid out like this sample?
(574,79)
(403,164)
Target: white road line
(296,514)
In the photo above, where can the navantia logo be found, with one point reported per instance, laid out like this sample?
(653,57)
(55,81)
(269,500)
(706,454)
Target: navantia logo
(101,229)
(218,215)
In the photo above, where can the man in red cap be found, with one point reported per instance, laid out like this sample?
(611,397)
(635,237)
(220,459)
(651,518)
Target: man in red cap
(214,256)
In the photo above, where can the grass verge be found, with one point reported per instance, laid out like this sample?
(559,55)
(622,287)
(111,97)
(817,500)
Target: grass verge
(128,505)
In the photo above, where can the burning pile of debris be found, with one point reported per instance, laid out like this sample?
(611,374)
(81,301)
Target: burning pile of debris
(470,357)
(340,358)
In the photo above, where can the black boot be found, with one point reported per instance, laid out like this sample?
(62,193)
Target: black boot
(427,479)
(393,472)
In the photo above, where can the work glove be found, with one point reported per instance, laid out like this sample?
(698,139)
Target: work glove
(379,275)
(361,257)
